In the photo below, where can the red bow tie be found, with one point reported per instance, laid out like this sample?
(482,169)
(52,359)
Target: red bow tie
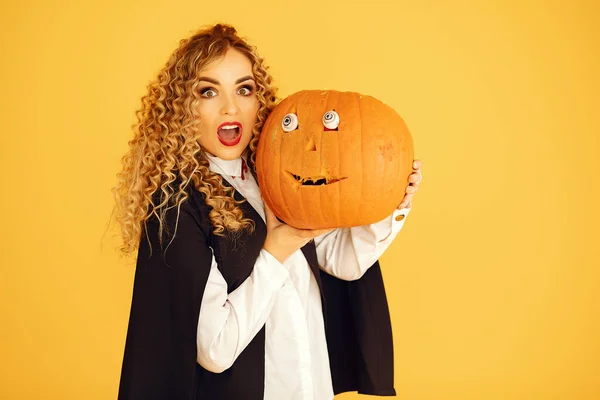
(244,169)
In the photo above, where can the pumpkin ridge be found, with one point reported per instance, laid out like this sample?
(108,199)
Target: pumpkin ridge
(362,161)
(322,221)
(337,209)
(342,134)
(300,101)
(284,214)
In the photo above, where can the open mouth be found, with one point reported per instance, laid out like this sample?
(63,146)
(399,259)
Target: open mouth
(230,134)
(313,180)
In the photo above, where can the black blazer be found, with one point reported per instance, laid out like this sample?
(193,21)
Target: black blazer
(160,350)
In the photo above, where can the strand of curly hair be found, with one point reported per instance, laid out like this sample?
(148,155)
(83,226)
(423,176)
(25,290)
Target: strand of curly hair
(165,149)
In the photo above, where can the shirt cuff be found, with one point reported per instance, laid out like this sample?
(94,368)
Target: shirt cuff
(271,268)
(392,224)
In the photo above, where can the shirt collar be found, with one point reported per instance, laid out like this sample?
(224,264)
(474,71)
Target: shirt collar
(235,168)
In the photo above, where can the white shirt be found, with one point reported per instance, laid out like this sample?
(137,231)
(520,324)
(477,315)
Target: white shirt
(283,297)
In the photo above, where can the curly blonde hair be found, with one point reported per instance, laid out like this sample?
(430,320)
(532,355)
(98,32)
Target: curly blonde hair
(165,148)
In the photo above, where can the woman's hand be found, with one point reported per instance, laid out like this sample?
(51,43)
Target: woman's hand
(283,240)
(414,180)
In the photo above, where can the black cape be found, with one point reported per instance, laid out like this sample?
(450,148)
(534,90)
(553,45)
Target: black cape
(160,350)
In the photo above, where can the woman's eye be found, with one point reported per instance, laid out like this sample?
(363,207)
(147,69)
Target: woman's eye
(208,93)
(245,91)
(290,122)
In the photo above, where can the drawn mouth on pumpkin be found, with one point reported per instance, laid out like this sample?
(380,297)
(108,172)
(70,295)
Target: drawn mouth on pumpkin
(318,180)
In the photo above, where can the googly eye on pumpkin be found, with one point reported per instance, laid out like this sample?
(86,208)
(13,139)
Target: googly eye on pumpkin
(331,120)
(290,122)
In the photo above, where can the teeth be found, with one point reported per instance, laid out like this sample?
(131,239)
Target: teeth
(314,181)
(229,127)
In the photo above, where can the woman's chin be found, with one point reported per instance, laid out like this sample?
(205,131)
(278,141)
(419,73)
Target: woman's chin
(228,153)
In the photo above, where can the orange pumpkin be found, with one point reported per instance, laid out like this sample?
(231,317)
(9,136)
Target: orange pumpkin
(329,159)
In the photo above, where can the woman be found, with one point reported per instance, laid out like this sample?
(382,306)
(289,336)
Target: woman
(228,302)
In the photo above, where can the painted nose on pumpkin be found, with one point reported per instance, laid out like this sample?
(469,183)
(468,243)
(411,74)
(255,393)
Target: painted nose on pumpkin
(310,145)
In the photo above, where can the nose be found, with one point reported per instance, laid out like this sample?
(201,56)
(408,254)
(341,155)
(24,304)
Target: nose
(229,106)
(309,144)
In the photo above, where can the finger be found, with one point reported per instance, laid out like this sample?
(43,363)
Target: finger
(406,201)
(270,217)
(415,177)
(312,233)
(268,211)
(304,234)
(319,232)
(410,189)
(404,205)
(414,186)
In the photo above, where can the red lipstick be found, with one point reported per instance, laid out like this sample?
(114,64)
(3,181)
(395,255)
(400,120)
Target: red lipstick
(231,135)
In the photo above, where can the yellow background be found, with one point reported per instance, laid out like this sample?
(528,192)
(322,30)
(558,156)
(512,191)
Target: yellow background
(494,282)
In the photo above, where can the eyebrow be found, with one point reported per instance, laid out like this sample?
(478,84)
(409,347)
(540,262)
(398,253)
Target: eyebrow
(216,82)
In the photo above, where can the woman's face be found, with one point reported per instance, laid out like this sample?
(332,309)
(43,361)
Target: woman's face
(228,105)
